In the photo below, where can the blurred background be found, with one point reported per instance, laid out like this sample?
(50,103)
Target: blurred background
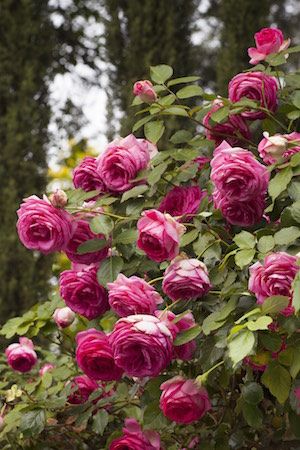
(66,73)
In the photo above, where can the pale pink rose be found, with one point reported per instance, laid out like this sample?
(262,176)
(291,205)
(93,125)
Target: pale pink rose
(234,129)
(186,279)
(43,227)
(82,234)
(86,177)
(81,388)
(135,439)
(159,235)
(82,292)
(121,162)
(132,295)
(46,368)
(63,317)
(274,277)
(267,40)
(58,198)
(182,201)
(237,175)
(254,86)
(183,401)
(142,345)
(21,357)
(280,146)
(94,356)
(144,90)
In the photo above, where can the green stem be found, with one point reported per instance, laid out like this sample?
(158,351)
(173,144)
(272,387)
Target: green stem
(202,378)
(155,279)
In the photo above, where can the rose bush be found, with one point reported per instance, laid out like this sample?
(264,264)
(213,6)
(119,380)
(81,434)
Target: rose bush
(176,324)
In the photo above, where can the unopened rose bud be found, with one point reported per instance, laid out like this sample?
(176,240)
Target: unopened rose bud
(59,198)
(272,148)
(63,317)
(46,368)
(144,90)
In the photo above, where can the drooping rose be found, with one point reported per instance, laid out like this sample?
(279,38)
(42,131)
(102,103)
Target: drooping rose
(186,279)
(121,162)
(132,295)
(63,317)
(142,345)
(280,146)
(43,227)
(144,90)
(82,234)
(21,357)
(135,439)
(267,41)
(183,401)
(86,176)
(81,388)
(254,86)
(182,201)
(94,356)
(82,292)
(234,129)
(159,235)
(46,368)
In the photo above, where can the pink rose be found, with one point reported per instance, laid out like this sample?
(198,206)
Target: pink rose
(267,40)
(21,357)
(201,161)
(43,227)
(237,174)
(233,130)
(186,279)
(144,90)
(159,235)
(81,388)
(82,234)
(82,292)
(183,401)
(254,86)
(63,317)
(121,162)
(46,368)
(132,295)
(274,277)
(94,356)
(142,345)
(182,201)
(58,198)
(86,177)
(135,439)
(280,146)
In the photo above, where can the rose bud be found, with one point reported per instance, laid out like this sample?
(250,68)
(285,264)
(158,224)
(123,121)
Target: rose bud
(144,90)
(59,198)
(267,40)
(21,357)
(280,146)
(183,401)
(46,368)
(135,439)
(63,317)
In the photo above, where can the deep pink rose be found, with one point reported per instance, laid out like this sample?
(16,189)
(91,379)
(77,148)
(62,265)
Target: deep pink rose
(86,177)
(63,317)
(121,162)
(254,86)
(234,129)
(82,292)
(144,90)
(243,214)
(159,235)
(142,345)
(82,234)
(43,227)
(21,357)
(273,277)
(182,200)
(81,388)
(46,368)
(201,161)
(183,401)
(236,173)
(132,295)
(94,356)
(135,439)
(280,146)
(186,279)
(267,40)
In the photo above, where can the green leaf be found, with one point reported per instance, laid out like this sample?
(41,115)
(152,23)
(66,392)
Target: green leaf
(252,414)
(296,99)
(134,192)
(252,393)
(241,345)
(220,115)
(190,91)
(294,190)
(159,74)
(92,245)
(265,244)
(182,80)
(127,237)
(271,341)
(296,293)
(295,160)
(187,335)
(217,318)
(286,235)
(109,270)
(274,304)
(189,237)
(245,240)
(154,130)
(278,380)
(100,421)
(141,122)
(175,111)
(102,224)
(295,211)
(261,323)
(276,59)
(33,422)
(181,136)
(280,182)
(244,257)
(156,173)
